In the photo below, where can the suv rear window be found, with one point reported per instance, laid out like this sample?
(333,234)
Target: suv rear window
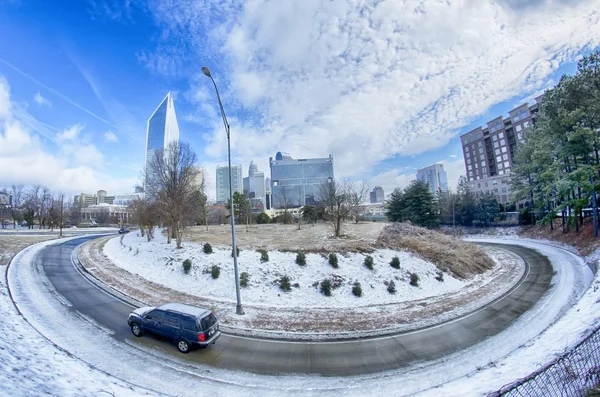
(208,321)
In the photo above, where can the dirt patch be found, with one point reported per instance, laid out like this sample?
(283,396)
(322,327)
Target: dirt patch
(462,259)
(11,245)
(310,238)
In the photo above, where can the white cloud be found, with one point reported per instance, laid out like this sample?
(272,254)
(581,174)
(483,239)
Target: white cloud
(40,100)
(70,134)
(110,136)
(24,158)
(453,156)
(367,81)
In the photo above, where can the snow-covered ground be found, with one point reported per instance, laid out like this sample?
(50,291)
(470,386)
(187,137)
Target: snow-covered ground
(33,366)
(437,298)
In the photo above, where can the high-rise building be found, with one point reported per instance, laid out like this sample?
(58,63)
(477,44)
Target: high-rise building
(223,182)
(295,183)
(377,195)
(435,177)
(488,151)
(162,129)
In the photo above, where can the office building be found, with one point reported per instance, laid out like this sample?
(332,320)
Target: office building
(377,195)
(435,177)
(161,130)
(222,187)
(297,182)
(488,151)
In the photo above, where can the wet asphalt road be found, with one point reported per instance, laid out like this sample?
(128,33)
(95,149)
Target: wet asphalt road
(324,358)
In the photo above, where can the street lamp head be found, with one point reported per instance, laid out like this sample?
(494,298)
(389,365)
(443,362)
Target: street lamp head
(206,71)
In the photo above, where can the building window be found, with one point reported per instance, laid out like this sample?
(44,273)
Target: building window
(500,166)
(470,167)
(495,137)
(484,169)
(479,144)
(486,184)
(476,165)
(507,170)
(478,186)
(467,148)
(496,145)
(468,161)
(524,113)
(503,141)
(526,124)
(503,149)
(485,175)
(504,157)
(468,154)
(519,127)
(498,159)
(495,191)
(503,190)
(470,173)
(506,165)
(481,150)
(483,163)
(501,172)
(516,118)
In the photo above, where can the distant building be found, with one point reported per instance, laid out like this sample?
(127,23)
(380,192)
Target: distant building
(294,182)
(161,130)
(377,195)
(488,151)
(434,176)
(223,182)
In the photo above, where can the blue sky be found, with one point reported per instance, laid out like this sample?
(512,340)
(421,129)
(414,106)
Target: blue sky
(384,86)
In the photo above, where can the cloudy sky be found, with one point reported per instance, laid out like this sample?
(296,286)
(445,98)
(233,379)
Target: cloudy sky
(386,86)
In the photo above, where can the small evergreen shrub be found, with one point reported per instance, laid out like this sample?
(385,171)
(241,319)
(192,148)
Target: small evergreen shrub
(284,284)
(215,271)
(369,262)
(356,289)
(207,248)
(326,287)
(237,251)
(244,277)
(391,287)
(395,262)
(187,266)
(301,259)
(440,276)
(333,260)
(264,255)
(414,279)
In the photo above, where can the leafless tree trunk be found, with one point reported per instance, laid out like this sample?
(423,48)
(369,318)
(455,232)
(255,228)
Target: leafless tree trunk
(357,195)
(336,203)
(18,193)
(171,182)
(285,200)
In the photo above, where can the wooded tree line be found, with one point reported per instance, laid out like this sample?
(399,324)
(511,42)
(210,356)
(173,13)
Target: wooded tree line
(418,205)
(556,162)
(36,204)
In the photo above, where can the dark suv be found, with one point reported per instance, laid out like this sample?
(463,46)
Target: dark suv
(187,326)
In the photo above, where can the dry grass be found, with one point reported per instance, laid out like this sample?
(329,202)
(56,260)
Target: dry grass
(459,258)
(11,245)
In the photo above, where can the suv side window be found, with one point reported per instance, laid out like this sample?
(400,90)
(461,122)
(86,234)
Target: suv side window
(189,324)
(154,315)
(171,319)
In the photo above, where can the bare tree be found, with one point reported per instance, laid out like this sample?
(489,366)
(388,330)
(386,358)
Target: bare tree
(335,200)
(171,183)
(39,199)
(284,200)
(145,214)
(18,196)
(357,194)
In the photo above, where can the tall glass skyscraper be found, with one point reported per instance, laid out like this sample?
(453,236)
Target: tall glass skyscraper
(295,183)
(223,182)
(162,129)
(434,176)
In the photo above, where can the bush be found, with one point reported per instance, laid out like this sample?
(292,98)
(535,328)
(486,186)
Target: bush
(237,251)
(391,287)
(440,276)
(301,259)
(333,260)
(369,262)
(395,262)
(262,218)
(356,289)
(414,279)
(264,255)
(326,287)
(215,271)
(187,266)
(207,248)
(244,277)
(284,284)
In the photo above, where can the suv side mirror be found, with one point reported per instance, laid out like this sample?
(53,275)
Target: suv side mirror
(148,318)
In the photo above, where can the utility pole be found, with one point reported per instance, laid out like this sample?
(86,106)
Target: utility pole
(61,213)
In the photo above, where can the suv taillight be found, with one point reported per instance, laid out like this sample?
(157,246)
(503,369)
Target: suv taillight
(201,337)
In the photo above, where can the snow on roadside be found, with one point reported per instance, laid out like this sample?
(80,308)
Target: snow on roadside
(162,263)
(31,365)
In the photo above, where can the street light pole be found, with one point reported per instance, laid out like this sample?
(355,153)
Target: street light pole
(238,308)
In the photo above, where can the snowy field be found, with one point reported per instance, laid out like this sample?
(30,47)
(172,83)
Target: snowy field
(31,365)
(437,297)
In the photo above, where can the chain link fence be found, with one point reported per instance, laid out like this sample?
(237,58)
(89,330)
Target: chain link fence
(572,374)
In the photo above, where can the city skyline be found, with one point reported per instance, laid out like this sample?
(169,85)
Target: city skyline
(77,121)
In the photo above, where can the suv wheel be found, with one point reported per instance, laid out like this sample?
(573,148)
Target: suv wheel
(136,330)
(183,346)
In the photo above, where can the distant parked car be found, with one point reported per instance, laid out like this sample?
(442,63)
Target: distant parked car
(123,231)
(187,326)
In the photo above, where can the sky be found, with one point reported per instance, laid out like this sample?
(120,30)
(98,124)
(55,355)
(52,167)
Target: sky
(385,86)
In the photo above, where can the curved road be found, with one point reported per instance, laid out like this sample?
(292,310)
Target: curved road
(326,358)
